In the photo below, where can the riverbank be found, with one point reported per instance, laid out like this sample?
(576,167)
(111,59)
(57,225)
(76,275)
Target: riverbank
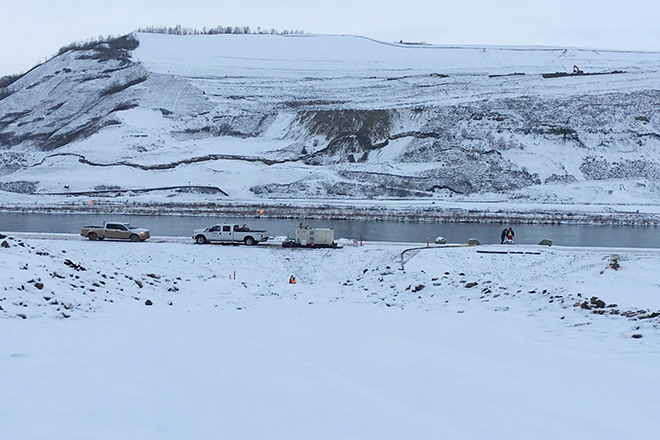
(341,209)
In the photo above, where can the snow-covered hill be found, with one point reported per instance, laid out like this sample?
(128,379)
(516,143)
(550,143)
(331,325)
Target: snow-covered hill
(249,117)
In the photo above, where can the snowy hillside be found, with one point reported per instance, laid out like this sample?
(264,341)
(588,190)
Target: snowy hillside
(164,340)
(254,117)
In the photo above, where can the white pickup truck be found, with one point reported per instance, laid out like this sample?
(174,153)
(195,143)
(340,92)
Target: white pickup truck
(229,233)
(115,230)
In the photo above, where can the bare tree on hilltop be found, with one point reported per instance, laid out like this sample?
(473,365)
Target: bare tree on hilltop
(239,30)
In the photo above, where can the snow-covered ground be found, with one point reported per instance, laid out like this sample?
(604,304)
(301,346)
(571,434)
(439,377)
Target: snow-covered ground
(167,339)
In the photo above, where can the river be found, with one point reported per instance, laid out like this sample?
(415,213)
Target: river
(367,230)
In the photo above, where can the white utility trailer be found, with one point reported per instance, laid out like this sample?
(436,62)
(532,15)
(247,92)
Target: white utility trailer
(312,237)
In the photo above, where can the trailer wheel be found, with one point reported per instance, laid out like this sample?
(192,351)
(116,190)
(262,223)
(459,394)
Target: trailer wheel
(135,238)
(200,239)
(249,240)
(92,236)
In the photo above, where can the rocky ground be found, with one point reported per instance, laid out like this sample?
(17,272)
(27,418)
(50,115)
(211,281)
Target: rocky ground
(65,278)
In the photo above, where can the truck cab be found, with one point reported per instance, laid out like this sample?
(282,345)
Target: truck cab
(116,230)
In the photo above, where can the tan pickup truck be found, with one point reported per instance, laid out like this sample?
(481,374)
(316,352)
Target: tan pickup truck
(115,231)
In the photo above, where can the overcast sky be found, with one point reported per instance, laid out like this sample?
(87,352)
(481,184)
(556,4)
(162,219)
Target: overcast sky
(33,30)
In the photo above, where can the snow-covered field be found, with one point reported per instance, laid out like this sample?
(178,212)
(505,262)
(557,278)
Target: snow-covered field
(168,340)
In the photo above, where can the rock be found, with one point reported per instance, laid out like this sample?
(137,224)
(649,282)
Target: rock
(73,265)
(154,276)
(418,288)
(22,315)
(614,263)
(472,284)
(598,303)
(2,236)
(585,306)
(637,336)
(39,285)
(148,303)
(5,244)
(545,242)
(139,283)
(474,242)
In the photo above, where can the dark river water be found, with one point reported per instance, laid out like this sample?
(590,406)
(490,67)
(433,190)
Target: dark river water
(367,230)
